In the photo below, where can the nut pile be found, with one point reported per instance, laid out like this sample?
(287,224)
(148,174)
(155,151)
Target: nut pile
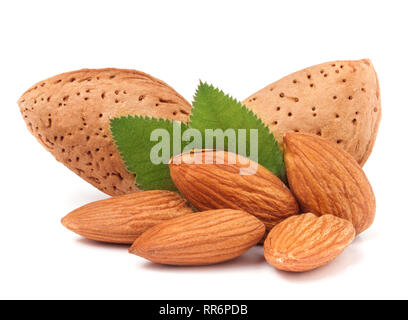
(328,202)
(324,117)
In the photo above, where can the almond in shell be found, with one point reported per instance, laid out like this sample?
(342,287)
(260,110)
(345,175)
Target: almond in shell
(69,115)
(338,100)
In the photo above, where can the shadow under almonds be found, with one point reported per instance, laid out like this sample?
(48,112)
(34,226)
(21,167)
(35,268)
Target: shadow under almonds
(105,245)
(252,258)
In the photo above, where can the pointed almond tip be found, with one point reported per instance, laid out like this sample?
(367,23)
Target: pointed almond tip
(175,160)
(287,136)
(64,221)
(367,61)
(133,249)
(171,161)
(68,223)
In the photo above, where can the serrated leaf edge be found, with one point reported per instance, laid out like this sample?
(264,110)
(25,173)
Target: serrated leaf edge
(245,109)
(242,106)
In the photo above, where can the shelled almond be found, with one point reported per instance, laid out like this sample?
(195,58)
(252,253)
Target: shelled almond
(327,180)
(200,238)
(122,219)
(305,242)
(219,184)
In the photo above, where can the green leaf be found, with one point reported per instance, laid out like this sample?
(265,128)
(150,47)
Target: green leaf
(132,136)
(212,109)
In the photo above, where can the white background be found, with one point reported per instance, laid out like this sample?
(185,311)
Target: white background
(238,46)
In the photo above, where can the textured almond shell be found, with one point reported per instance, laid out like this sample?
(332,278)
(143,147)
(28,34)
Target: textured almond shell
(122,219)
(326,179)
(220,185)
(200,238)
(305,242)
(69,115)
(338,100)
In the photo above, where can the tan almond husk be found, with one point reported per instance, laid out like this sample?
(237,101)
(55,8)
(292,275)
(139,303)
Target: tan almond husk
(69,115)
(338,100)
